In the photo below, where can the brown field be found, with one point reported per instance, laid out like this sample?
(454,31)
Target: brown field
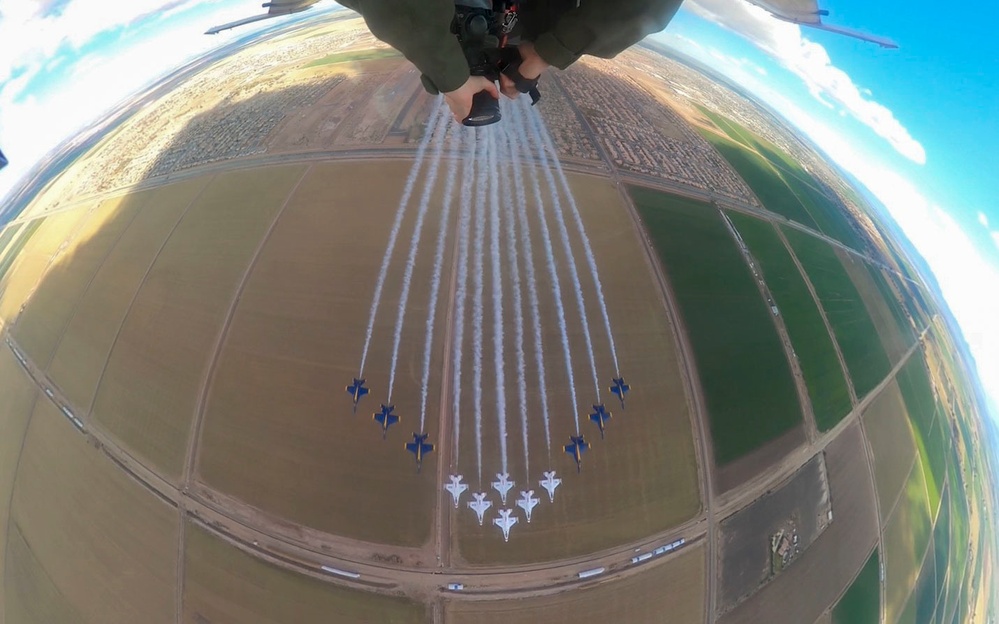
(670,591)
(52,305)
(905,540)
(641,479)
(224,585)
(90,532)
(745,535)
(34,258)
(821,574)
(18,397)
(154,375)
(887,426)
(31,596)
(278,431)
(895,344)
(81,354)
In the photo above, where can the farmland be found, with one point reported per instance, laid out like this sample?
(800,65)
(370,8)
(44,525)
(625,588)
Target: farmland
(650,440)
(894,336)
(155,372)
(80,357)
(822,573)
(740,360)
(675,586)
(906,539)
(115,525)
(861,604)
(855,332)
(887,427)
(813,345)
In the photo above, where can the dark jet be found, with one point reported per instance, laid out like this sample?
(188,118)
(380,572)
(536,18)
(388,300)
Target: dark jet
(576,448)
(3,160)
(600,416)
(620,389)
(357,390)
(385,418)
(275,8)
(419,447)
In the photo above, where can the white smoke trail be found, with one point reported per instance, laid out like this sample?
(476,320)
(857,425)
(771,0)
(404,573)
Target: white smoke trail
(590,260)
(440,113)
(515,148)
(481,179)
(566,245)
(429,181)
(518,123)
(505,157)
(465,229)
(497,279)
(435,284)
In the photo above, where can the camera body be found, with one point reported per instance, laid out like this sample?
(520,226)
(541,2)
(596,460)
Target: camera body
(485,30)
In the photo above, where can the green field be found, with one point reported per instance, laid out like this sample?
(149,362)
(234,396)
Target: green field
(898,312)
(750,394)
(816,353)
(931,439)
(855,332)
(348,57)
(6,235)
(8,258)
(861,604)
(224,585)
(906,538)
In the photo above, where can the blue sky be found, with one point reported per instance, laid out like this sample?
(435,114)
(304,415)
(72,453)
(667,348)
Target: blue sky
(916,125)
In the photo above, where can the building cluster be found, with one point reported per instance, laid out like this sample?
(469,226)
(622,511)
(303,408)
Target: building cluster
(641,133)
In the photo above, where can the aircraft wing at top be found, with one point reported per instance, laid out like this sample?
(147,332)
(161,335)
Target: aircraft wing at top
(808,13)
(274,8)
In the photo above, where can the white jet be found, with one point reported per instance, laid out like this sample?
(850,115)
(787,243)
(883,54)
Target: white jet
(550,482)
(504,522)
(456,487)
(503,484)
(480,505)
(527,502)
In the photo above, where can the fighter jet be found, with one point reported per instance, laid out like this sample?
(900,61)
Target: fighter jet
(385,418)
(275,8)
(600,416)
(479,505)
(503,484)
(527,502)
(456,488)
(620,389)
(505,522)
(550,482)
(3,160)
(808,13)
(576,448)
(356,391)
(419,447)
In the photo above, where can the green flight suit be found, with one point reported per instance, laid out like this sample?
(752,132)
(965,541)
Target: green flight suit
(561,30)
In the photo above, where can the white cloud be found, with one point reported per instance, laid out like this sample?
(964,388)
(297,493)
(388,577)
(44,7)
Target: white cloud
(983,219)
(809,61)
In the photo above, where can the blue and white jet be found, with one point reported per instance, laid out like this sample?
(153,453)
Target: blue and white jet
(356,391)
(620,389)
(419,447)
(385,418)
(600,416)
(576,448)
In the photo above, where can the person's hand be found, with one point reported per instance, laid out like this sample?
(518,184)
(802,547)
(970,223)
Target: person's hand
(531,66)
(460,100)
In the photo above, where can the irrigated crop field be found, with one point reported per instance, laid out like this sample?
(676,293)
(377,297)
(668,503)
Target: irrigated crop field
(671,590)
(812,343)
(152,385)
(223,584)
(750,394)
(855,332)
(923,409)
(893,336)
(887,428)
(861,604)
(822,573)
(906,539)
(91,535)
(80,357)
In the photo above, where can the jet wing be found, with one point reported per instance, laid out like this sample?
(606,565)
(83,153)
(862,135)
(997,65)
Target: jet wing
(274,8)
(808,13)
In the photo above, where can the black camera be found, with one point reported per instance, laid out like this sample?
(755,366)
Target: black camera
(486,31)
